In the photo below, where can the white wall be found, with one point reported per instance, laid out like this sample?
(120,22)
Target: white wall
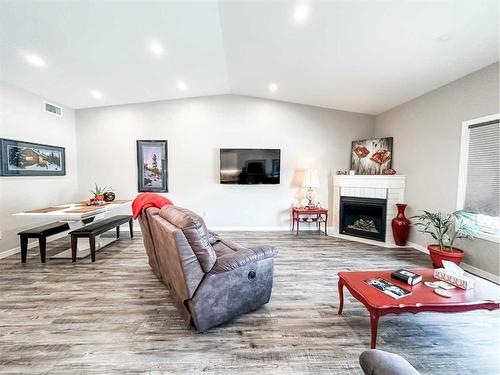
(426,135)
(309,137)
(22,117)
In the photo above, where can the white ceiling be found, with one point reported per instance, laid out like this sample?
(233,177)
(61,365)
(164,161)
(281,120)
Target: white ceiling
(363,56)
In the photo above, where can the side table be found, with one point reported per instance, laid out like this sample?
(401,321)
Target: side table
(316,215)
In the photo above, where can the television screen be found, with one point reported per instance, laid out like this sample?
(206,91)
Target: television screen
(247,166)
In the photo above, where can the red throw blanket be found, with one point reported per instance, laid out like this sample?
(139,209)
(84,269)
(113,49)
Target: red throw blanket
(146,200)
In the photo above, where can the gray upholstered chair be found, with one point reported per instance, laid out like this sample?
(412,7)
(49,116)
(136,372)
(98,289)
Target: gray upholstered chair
(378,362)
(211,279)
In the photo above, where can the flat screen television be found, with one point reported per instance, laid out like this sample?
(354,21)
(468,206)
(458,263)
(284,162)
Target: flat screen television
(249,166)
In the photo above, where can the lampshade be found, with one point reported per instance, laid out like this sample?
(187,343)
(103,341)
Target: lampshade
(310,178)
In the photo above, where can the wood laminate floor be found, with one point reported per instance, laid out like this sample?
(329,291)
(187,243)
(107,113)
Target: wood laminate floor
(115,317)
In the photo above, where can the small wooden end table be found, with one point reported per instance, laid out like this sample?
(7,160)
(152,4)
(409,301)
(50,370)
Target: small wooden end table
(318,214)
(485,295)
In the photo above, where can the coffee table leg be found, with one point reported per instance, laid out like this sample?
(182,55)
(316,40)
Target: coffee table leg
(374,327)
(341,296)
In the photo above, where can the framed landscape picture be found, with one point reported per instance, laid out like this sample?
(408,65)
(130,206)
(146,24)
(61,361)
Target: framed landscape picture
(371,156)
(19,158)
(152,166)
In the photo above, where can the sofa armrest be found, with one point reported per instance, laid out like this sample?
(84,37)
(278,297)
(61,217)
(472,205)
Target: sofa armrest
(243,257)
(378,362)
(213,237)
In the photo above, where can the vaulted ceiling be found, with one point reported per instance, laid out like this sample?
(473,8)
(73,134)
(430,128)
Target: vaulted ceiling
(363,56)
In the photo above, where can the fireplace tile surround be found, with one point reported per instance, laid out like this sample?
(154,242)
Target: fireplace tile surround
(390,189)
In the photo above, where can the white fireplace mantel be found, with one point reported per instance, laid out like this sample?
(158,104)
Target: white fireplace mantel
(390,187)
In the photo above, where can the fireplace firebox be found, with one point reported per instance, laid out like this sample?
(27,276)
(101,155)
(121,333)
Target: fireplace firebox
(363,217)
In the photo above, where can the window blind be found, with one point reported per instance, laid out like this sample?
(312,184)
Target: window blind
(482,192)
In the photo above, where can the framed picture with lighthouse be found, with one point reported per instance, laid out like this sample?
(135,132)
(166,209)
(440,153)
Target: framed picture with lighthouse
(152,166)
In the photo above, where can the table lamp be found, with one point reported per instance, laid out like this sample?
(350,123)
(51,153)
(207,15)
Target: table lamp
(310,182)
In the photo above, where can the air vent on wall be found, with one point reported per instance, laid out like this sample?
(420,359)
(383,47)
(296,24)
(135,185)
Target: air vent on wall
(53,109)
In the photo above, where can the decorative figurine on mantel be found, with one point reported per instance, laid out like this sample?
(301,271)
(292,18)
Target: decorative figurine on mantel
(310,182)
(389,172)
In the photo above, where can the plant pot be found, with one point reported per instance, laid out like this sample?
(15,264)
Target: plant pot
(438,256)
(99,197)
(400,226)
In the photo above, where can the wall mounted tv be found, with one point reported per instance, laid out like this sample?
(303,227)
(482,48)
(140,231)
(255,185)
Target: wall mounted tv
(249,166)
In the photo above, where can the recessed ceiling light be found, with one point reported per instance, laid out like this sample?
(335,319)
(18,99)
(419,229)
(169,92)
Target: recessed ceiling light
(156,49)
(181,86)
(34,60)
(301,13)
(444,38)
(96,94)
(272,87)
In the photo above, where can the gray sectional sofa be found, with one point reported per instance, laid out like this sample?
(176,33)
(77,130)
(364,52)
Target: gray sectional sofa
(211,279)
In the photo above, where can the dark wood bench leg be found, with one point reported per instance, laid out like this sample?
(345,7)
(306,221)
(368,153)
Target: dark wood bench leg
(92,247)
(24,248)
(42,242)
(74,245)
(131,227)
(118,231)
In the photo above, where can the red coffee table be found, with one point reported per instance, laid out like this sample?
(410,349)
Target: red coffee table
(485,295)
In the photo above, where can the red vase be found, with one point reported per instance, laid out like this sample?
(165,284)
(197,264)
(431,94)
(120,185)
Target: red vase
(400,226)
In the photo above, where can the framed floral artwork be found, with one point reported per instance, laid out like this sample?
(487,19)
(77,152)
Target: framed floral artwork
(371,156)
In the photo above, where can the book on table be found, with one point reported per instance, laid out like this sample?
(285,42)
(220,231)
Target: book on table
(406,276)
(388,288)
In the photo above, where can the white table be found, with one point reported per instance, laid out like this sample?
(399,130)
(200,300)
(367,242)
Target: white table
(77,220)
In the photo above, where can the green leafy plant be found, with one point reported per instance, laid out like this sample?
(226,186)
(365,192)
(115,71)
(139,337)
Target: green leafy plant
(98,190)
(445,229)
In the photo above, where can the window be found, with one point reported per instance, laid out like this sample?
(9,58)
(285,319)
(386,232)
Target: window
(479,174)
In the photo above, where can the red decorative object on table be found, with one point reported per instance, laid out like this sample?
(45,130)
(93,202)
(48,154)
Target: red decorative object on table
(400,226)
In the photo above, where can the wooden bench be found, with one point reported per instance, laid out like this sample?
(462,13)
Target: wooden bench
(41,232)
(92,230)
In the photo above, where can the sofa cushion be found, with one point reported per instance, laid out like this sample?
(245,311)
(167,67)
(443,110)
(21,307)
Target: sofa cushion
(195,231)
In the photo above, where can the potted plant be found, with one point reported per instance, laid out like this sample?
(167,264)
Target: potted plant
(446,229)
(98,192)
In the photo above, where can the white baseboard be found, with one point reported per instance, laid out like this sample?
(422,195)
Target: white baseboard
(253,229)
(481,273)
(31,244)
(263,229)
(471,269)
(8,253)
(366,240)
(418,247)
